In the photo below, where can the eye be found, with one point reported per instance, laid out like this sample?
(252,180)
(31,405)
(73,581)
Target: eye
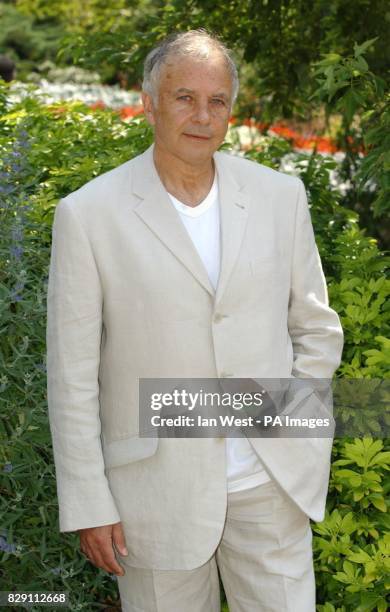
(186,98)
(218,101)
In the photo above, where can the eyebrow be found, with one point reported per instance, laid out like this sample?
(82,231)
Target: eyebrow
(191,91)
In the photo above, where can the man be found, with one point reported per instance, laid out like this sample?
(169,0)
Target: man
(187,263)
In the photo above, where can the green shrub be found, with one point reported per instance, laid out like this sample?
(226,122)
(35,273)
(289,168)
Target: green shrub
(349,87)
(352,544)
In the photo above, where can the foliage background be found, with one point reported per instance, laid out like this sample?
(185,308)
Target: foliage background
(48,151)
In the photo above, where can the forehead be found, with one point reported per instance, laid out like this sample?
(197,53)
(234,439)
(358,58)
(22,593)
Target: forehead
(195,73)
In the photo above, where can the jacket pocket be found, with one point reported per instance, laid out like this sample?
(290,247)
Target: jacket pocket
(127,450)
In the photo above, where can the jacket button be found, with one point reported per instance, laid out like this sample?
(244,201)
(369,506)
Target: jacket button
(218,317)
(224,374)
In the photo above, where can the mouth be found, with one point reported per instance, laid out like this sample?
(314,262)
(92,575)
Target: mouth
(197,136)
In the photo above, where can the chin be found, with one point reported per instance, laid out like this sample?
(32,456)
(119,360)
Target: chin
(197,156)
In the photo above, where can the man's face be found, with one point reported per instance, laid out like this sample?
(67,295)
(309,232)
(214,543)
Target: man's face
(193,110)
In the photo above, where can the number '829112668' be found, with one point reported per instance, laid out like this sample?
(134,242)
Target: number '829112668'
(48,598)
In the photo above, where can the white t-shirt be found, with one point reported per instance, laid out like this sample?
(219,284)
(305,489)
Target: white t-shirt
(202,222)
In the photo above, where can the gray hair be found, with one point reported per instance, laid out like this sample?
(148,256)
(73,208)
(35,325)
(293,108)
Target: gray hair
(194,43)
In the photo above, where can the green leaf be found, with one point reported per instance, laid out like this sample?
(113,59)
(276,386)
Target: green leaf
(359,557)
(329,59)
(381,459)
(382,605)
(349,569)
(361,63)
(379,502)
(361,49)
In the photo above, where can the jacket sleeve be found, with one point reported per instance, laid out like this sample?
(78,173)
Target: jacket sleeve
(73,336)
(314,328)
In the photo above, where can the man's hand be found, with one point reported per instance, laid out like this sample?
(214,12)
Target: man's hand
(97,544)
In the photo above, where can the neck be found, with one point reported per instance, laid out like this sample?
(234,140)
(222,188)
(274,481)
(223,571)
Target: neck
(187,182)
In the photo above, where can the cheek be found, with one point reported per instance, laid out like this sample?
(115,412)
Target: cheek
(221,126)
(177,121)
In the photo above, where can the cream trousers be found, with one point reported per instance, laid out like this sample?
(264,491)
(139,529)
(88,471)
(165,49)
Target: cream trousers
(264,560)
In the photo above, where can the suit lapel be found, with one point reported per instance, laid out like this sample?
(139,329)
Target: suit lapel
(156,210)
(234,206)
(161,217)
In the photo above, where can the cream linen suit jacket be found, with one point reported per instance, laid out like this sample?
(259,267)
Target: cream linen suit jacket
(129,298)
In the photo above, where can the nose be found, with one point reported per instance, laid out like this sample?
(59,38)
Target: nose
(201,113)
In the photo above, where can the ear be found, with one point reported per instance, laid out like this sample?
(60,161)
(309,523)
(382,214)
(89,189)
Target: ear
(148,107)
